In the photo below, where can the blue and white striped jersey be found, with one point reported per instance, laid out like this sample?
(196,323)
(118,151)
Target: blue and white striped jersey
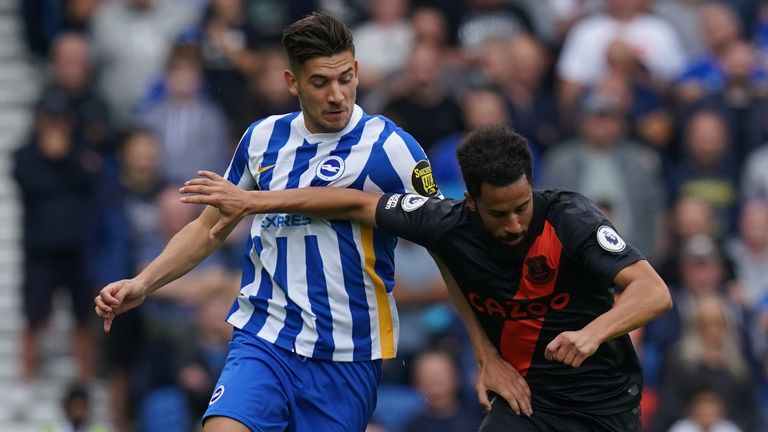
(323,288)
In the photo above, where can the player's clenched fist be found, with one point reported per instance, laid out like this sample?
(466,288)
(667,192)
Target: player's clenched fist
(117,298)
(571,347)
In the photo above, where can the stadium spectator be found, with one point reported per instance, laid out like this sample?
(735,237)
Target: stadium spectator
(609,168)
(423,104)
(748,251)
(707,168)
(266,93)
(72,79)
(229,48)
(491,19)
(133,39)
(479,107)
(55,176)
(689,217)
(706,412)
(754,181)
(710,352)
(516,69)
(436,377)
(718,28)
(702,272)
(383,42)
(192,131)
(125,234)
(582,61)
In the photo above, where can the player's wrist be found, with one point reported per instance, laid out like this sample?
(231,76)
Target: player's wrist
(485,354)
(142,285)
(256,202)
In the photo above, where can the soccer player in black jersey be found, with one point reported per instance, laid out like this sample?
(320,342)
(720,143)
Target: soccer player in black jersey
(538,269)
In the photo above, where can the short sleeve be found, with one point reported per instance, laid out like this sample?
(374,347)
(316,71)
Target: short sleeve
(419,219)
(239,171)
(411,164)
(591,239)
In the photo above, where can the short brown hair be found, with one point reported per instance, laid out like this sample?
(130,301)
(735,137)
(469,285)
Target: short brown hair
(316,35)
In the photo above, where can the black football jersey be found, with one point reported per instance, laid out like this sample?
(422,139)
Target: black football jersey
(558,279)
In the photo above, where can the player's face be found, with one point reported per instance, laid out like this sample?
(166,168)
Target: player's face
(506,211)
(326,88)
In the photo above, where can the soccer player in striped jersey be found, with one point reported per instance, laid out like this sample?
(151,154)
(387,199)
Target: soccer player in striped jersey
(315,315)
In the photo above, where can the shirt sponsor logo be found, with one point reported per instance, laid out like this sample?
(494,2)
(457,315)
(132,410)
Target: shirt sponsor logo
(522,309)
(609,239)
(330,168)
(287,220)
(539,271)
(412,201)
(392,202)
(422,180)
(217,394)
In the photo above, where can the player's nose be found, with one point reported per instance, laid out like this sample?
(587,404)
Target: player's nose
(335,95)
(513,225)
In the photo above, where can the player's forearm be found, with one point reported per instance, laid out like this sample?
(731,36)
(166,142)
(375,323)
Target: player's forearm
(641,301)
(327,202)
(481,345)
(190,246)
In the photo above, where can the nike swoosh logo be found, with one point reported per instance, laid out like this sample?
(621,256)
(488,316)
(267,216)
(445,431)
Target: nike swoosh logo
(261,169)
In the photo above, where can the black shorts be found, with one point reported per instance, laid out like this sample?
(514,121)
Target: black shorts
(44,274)
(503,419)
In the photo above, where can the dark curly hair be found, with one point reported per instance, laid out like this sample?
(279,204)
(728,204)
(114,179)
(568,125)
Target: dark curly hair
(316,35)
(495,155)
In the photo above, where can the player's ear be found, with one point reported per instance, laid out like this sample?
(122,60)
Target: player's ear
(291,81)
(470,201)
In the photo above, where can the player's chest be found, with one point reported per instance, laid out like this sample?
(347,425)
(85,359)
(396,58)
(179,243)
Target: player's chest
(312,165)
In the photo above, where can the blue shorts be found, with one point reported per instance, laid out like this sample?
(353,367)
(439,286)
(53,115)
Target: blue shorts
(268,388)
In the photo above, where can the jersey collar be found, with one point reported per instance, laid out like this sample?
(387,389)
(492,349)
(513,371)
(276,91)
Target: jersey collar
(316,138)
(536,226)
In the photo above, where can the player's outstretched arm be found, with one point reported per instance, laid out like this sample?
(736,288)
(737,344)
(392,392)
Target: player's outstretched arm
(235,203)
(191,245)
(644,296)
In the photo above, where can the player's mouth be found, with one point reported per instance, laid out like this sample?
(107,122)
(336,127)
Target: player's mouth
(335,115)
(512,240)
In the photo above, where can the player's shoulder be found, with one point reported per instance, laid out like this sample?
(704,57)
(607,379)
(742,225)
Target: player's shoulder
(392,128)
(571,209)
(265,125)
(435,207)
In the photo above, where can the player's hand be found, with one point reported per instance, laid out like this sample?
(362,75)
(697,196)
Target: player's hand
(498,376)
(117,298)
(216,191)
(571,347)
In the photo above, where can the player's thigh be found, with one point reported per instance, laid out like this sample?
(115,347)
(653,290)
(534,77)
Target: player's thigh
(224,424)
(254,389)
(336,396)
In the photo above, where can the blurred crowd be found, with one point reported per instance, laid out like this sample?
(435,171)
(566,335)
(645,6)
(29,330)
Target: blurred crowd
(655,109)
